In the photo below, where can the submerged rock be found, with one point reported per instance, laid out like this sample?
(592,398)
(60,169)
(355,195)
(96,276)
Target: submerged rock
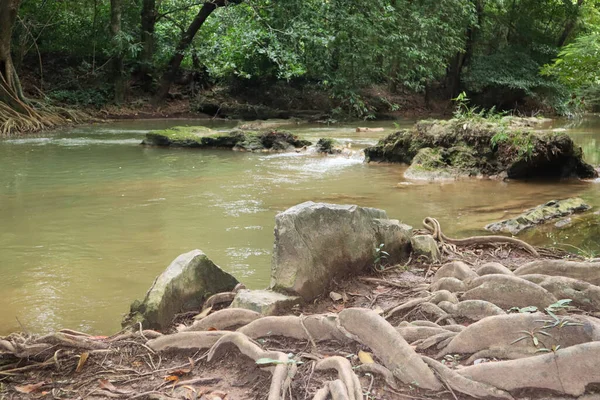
(317,242)
(201,137)
(456,148)
(265,302)
(183,286)
(551,210)
(265,124)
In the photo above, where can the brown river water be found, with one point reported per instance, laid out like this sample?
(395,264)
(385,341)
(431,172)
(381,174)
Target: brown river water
(89,217)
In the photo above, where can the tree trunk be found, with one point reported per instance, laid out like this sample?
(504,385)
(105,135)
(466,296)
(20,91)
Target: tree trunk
(171,73)
(117,61)
(571,22)
(148,23)
(461,59)
(10,87)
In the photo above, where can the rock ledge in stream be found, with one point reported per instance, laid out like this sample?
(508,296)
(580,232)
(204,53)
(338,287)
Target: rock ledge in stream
(201,137)
(538,215)
(317,242)
(183,286)
(457,148)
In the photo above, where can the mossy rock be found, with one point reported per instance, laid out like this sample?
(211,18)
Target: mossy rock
(506,147)
(201,137)
(551,210)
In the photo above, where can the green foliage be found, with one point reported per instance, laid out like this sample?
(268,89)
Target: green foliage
(380,257)
(80,97)
(515,140)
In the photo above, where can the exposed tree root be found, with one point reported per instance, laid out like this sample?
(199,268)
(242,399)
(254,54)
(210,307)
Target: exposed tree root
(464,385)
(502,354)
(437,313)
(433,226)
(435,339)
(567,371)
(323,393)
(493,268)
(252,350)
(380,370)
(515,333)
(314,328)
(508,291)
(370,329)
(471,309)
(412,334)
(448,283)
(224,319)
(583,294)
(186,341)
(338,390)
(219,298)
(455,269)
(345,373)
(583,271)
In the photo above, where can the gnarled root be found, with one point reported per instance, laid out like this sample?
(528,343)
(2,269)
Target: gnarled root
(583,294)
(186,341)
(471,309)
(464,385)
(583,271)
(566,371)
(414,333)
(449,283)
(224,319)
(493,268)
(345,373)
(386,374)
(323,393)
(435,339)
(252,350)
(370,329)
(219,298)
(435,297)
(338,390)
(508,291)
(433,226)
(455,269)
(313,328)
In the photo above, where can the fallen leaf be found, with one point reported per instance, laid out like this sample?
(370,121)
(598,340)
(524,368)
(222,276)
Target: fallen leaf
(365,357)
(183,371)
(378,310)
(212,329)
(203,314)
(29,388)
(171,378)
(82,359)
(219,393)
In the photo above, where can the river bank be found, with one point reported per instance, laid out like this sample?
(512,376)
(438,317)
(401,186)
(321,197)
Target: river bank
(410,313)
(92,214)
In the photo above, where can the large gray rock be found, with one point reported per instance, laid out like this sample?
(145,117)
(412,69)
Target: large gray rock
(317,242)
(183,286)
(265,302)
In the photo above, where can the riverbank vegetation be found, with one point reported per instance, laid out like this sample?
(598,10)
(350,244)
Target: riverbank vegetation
(259,58)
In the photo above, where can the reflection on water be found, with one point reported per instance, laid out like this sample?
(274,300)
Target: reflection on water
(89,217)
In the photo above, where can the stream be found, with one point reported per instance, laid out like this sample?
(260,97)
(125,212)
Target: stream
(89,217)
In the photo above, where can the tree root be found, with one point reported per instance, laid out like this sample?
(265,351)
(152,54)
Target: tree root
(583,271)
(377,369)
(186,341)
(464,385)
(370,329)
(566,371)
(253,351)
(338,390)
(508,291)
(414,333)
(433,226)
(583,294)
(436,312)
(314,328)
(471,309)
(449,283)
(435,339)
(515,333)
(436,297)
(323,393)
(502,354)
(219,298)
(224,319)
(455,269)
(493,268)
(345,373)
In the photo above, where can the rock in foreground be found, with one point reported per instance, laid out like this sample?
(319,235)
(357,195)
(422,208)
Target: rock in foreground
(456,148)
(539,215)
(183,286)
(204,138)
(317,242)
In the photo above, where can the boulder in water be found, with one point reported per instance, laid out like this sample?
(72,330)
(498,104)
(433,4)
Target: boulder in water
(317,242)
(183,286)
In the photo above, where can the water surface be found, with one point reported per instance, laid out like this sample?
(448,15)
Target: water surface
(89,217)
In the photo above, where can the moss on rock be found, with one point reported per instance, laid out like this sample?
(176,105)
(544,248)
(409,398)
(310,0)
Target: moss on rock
(507,147)
(201,137)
